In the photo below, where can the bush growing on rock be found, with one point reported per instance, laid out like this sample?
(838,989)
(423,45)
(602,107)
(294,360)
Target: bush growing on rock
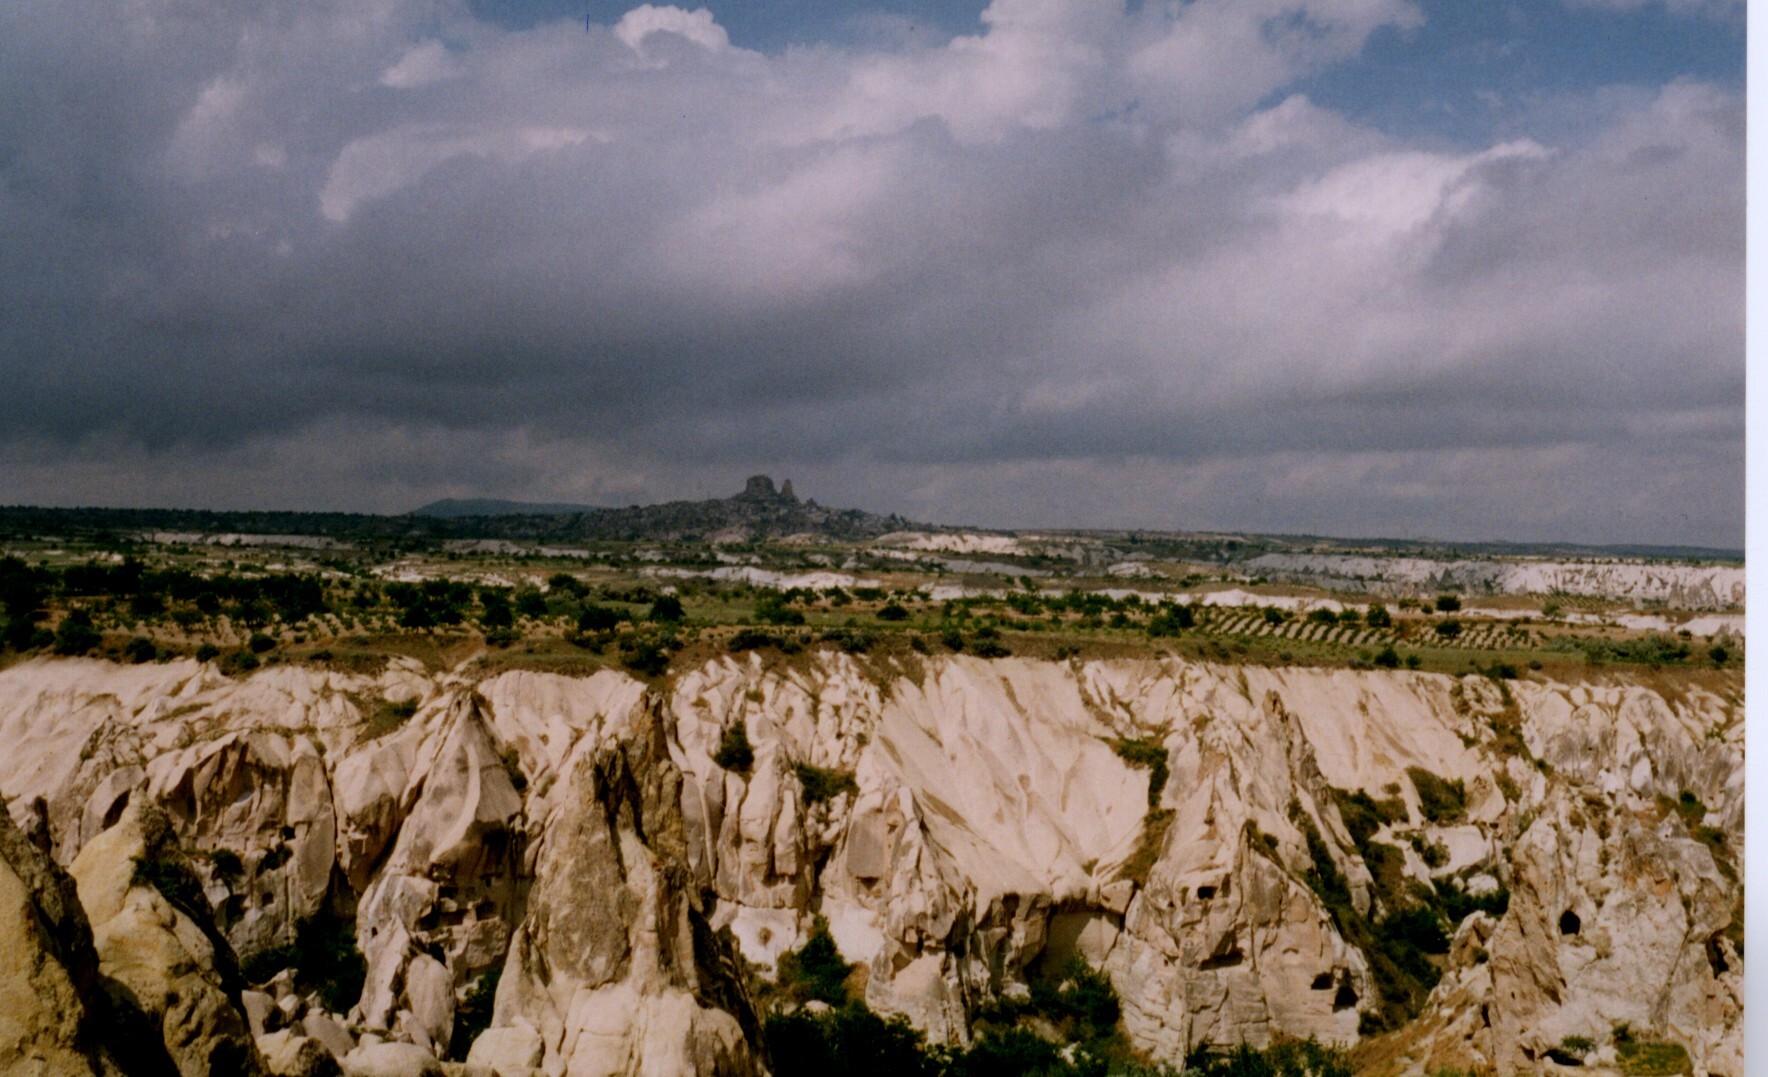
(1441,800)
(473,1016)
(821,785)
(851,1040)
(1296,1058)
(647,657)
(815,972)
(1138,752)
(734,752)
(324,957)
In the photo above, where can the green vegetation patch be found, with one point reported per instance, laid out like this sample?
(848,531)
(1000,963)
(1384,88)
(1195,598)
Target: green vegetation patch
(734,751)
(822,785)
(1295,1058)
(1649,1058)
(1363,815)
(1440,799)
(1139,752)
(473,1016)
(384,715)
(1154,827)
(816,971)
(324,957)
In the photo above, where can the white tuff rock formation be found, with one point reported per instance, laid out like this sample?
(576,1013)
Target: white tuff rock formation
(961,824)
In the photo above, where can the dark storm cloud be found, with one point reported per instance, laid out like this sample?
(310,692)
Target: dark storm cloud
(366,254)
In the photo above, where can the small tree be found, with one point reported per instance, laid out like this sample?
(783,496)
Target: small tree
(597,619)
(667,610)
(75,634)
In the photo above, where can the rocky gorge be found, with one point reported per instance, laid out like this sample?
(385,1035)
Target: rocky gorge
(586,864)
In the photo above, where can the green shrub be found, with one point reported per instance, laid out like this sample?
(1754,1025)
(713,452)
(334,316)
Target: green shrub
(1138,752)
(1447,603)
(329,962)
(1418,928)
(820,785)
(1458,904)
(1649,1058)
(749,639)
(384,716)
(1363,815)
(1377,616)
(141,649)
(1577,1046)
(259,643)
(666,610)
(986,643)
(850,1040)
(168,873)
(647,657)
(530,603)
(815,971)
(207,652)
(772,610)
(1294,1058)
(1652,650)
(893,612)
(850,640)
(75,634)
(226,864)
(324,957)
(261,966)
(473,1016)
(593,618)
(1449,628)
(1441,800)
(1387,658)
(734,752)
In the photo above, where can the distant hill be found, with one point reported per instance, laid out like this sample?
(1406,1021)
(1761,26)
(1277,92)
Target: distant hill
(451,508)
(760,512)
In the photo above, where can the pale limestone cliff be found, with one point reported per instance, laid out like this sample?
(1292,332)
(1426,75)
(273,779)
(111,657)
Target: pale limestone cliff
(577,834)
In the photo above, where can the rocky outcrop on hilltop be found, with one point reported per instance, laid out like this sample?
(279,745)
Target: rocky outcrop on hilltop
(1236,848)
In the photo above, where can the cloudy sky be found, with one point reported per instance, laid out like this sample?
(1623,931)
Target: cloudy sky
(1356,267)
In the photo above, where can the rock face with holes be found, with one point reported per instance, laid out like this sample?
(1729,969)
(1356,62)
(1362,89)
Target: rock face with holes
(964,826)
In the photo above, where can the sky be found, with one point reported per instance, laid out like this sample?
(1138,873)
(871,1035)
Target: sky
(1406,268)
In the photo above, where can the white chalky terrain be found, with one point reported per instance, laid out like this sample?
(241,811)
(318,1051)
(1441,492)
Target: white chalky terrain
(1688,587)
(577,834)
